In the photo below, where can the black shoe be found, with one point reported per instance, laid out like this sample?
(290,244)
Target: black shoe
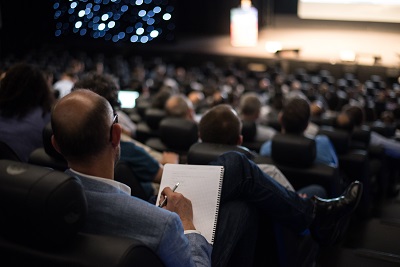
(332,215)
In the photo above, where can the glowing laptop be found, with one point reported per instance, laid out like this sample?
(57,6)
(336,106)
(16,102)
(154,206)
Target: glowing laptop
(127,98)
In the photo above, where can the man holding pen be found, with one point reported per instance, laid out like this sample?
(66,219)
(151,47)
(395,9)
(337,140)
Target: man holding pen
(88,137)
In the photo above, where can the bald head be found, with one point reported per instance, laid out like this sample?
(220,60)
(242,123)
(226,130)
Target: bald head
(179,106)
(81,124)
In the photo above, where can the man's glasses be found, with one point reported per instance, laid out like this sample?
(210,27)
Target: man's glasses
(115,120)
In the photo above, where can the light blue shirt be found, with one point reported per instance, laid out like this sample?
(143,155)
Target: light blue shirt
(390,146)
(325,152)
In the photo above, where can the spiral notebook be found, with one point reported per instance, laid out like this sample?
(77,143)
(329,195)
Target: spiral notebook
(202,185)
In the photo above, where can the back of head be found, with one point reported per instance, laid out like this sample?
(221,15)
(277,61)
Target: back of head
(81,124)
(317,108)
(295,116)
(220,125)
(178,106)
(355,113)
(160,98)
(344,122)
(105,85)
(24,88)
(249,106)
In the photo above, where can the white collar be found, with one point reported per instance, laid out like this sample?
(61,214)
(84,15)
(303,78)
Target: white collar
(123,187)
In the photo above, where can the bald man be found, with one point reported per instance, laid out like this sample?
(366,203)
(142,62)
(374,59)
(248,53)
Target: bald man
(179,106)
(86,132)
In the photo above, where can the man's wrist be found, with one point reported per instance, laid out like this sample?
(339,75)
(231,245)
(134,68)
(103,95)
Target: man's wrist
(188,225)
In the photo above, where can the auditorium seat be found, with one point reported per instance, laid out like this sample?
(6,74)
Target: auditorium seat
(47,156)
(43,212)
(175,135)
(294,156)
(149,125)
(353,164)
(203,153)
(6,152)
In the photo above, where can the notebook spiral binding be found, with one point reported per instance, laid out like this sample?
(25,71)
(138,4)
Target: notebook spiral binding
(218,203)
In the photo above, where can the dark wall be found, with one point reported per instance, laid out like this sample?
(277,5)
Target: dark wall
(25,24)
(213,17)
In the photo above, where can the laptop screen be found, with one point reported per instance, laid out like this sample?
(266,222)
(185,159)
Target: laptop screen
(127,98)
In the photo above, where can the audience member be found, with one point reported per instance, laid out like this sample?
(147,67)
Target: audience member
(82,133)
(249,110)
(144,166)
(221,125)
(316,111)
(356,119)
(294,120)
(179,106)
(107,85)
(25,103)
(65,83)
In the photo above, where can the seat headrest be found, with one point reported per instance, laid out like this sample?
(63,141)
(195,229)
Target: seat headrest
(340,139)
(249,131)
(47,145)
(203,153)
(362,134)
(178,133)
(39,205)
(153,117)
(293,150)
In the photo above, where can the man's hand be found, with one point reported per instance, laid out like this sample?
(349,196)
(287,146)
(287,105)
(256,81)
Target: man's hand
(170,157)
(179,204)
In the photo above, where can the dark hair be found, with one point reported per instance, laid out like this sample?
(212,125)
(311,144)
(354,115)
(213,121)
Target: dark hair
(355,113)
(22,89)
(85,138)
(220,125)
(295,116)
(105,85)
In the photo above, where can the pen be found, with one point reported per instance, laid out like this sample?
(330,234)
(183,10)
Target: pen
(165,199)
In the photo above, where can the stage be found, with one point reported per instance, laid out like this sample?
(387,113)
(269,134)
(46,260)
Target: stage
(374,45)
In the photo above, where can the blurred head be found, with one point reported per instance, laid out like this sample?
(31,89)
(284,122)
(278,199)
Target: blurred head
(221,125)
(106,85)
(83,124)
(344,122)
(295,116)
(179,106)
(250,106)
(356,114)
(23,89)
(317,108)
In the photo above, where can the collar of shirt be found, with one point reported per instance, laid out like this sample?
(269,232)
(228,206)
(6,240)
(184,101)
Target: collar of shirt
(123,187)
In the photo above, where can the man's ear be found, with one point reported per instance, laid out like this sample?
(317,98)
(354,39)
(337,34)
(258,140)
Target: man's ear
(240,140)
(54,143)
(116,134)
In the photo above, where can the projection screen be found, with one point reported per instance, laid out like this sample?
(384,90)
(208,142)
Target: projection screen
(350,10)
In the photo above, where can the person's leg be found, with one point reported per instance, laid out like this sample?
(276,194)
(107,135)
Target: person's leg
(245,181)
(325,218)
(312,190)
(236,235)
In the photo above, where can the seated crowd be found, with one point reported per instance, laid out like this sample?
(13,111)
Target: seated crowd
(92,132)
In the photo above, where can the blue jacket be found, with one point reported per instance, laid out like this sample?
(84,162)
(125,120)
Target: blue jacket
(113,212)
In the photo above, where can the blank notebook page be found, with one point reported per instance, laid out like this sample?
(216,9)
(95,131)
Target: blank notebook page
(202,185)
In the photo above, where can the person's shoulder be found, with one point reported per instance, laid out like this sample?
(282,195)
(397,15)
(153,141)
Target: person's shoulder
(321,137)
(265,149)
